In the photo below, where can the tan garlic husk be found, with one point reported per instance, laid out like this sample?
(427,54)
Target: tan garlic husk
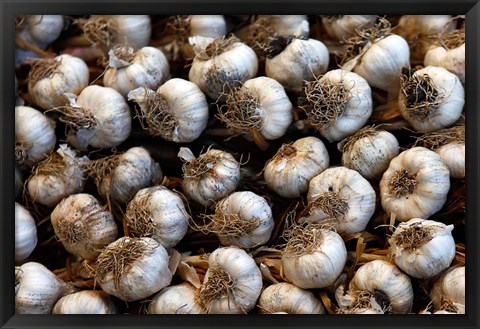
(290,170)
(178,299)
(448,291)
(415,185)
(377,283)
(62,174)
(133,268)
(85,302)
(287,298)
(422,248)
(209,177)
(18,182)
(232,283)
(343,27)
(158,213)
(37,289)
(39,30)
(83,225)
(25,233)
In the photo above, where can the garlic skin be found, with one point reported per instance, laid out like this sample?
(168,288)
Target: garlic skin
(448,292)
(37,289)
(286,298)
(129,69)
(453,155)
(232,283)
(296,61)
(342,27)
(290,170)
(430,251)
(415,184)
(178,299)
(49,80)
(133,268)
(158,213)
(452,59)
(85,302)
(18,182)
(35,136)
(210,177)
(341,197)
(182,106)
(83,226)
(25,233)
(441,107)
(40,30)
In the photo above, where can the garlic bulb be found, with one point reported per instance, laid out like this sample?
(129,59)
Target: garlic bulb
(210,177)
(422,248)
(35,136)
(128,69)
(18,182)
(221,63)
(50,79)
(83,226)
(314,257)
(243,219)
(287,298)
(158,213)
(415,184)
(232,283)
(287,24)
(369,151)
(431,98)
(99,117)
(378,282)
(39,30)
(340,197)
(448,292)
(62,174)
(133,268)
(37,289)
(177,111)
(178,299)
(292,61)
(290,170)
(25,233)
(337,104)
(85,302)
(343,27)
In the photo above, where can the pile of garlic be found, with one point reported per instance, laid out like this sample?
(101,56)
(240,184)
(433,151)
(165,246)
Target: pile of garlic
(226,164)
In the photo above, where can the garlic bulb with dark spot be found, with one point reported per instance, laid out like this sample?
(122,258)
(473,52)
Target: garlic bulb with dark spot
(85,302)
(25,233)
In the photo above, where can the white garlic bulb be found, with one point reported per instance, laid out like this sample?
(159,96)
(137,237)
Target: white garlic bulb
(85,302)
(415,184)
(431,98)
(25,233)
(133,268)
(83,226)
(314,257)
(292,61)
(128,69)
(99,117)
(342,27)
(448,291)
(39,30)
(178,299)
(177,111)
(37,289)
(369,151)
(381,281)
(422,248)
(18,182)
(338,104)
(49,80)
(287,24)
(210,177)
(287,298)
(340,197)
(232,283)
(158,213)
(35,136)
(62,174)
(221,63)
(290,170)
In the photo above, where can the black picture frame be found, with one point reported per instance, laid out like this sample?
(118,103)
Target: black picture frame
(11,8)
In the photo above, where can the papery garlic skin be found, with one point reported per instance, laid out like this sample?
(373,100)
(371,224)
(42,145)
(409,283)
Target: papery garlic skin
(41,30)
(25,233)
(449,291)
(342,27)
(289,172)
(37,289)
(453,155)
(178,299)
(286,298)
(83,226)
(85,302)
(451,59)
(415,184)
(431,250)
